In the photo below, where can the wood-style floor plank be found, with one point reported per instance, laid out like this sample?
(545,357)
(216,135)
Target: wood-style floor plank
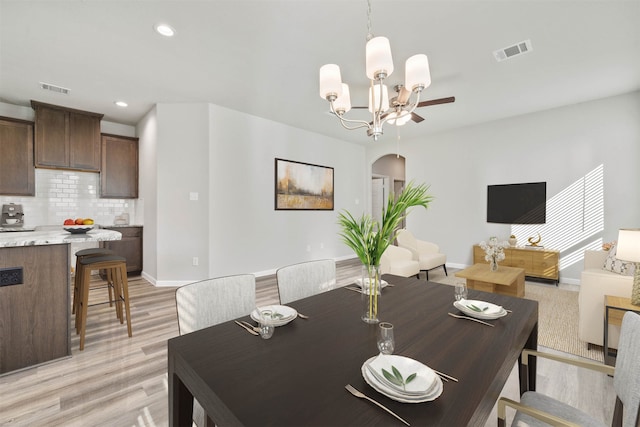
(122,381)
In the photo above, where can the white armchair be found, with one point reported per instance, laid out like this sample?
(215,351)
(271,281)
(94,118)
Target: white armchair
(595,283)
(399,261)
(426,253)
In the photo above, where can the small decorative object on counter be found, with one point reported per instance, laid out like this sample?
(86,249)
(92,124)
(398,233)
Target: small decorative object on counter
(494,251)
(533,241)
(513,241)
(607,246)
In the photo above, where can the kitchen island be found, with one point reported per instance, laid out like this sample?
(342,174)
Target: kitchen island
(35,295)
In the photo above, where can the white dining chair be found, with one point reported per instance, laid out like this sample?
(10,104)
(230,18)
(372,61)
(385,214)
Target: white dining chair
(305,279)
(209,302)
(536,409)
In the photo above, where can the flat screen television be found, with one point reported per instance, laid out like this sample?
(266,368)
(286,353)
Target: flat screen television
(517,203)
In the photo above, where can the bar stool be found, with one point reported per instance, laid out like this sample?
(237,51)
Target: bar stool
(116,268)
(85,253)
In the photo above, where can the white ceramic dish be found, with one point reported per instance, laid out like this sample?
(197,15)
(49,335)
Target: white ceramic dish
(280,314)
(433,392)
(358,282)
(491,312)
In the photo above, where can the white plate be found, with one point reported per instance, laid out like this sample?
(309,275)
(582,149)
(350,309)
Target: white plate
(287,313)
(433,393)
(492,311)
(358,283)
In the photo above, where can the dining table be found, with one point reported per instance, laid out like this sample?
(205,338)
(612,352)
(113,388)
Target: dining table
(298,377)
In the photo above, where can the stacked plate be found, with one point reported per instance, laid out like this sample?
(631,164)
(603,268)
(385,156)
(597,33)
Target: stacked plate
(359,281)
(480,309)
(425,387)
(277,315)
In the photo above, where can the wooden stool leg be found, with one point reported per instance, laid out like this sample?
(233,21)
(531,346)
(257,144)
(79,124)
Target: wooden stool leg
(82,310)
(112,282)
(125,292)
(75,286)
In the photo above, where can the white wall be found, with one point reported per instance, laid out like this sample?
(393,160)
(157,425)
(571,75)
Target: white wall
(558,146)
(147,130)
(227,157)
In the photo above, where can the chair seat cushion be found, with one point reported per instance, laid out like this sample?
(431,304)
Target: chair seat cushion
(554,407)
(429,261)
(405,268)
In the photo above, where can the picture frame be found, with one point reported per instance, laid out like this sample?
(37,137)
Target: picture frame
(303,186)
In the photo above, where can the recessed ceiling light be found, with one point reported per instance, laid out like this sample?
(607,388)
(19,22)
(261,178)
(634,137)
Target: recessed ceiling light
(121,104)
(165,30)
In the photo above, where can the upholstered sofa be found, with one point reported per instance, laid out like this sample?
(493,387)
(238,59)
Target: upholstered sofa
(399,261)
(595,283)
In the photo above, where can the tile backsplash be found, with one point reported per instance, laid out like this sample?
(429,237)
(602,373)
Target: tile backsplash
(62,194)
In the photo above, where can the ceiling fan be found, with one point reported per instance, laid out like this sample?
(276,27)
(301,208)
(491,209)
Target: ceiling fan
(400,100)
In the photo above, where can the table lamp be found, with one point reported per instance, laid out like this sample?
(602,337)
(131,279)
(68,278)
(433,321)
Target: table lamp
(628,249)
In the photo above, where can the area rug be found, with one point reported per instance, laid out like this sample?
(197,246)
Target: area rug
(557,317)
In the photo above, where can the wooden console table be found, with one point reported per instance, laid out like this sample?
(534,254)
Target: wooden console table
(541,263)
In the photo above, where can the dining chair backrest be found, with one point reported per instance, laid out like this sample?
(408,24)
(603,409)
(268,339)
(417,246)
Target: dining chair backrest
(305,279)
(212,301)
(626,381)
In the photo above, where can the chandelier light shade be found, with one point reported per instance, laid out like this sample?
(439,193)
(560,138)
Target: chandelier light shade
(330,82)
(379,66)
(628,249)
(416,72)
(379,61)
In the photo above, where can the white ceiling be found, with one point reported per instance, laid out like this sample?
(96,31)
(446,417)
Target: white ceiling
(262,57)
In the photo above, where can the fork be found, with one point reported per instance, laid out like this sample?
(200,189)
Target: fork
(302,316)
(470,318)
(357,393)
(249,325)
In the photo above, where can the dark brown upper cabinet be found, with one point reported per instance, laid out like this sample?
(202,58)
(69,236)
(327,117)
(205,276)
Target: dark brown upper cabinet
(17,173)
(119,175)
(66,138)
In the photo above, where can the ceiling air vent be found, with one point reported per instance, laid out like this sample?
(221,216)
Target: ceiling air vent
(511,51)
(54,88)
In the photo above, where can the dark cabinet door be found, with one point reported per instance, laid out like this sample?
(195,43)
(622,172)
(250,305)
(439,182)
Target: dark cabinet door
(119,174)
(129,247)
(84,142)
(17,173)
(52,133)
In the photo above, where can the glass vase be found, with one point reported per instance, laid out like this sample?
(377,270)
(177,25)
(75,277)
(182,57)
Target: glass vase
(493,264)
(370,293)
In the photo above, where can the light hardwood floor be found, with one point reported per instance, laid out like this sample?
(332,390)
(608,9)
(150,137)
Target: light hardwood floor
(121,381)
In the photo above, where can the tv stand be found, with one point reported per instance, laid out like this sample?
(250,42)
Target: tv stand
(537,262)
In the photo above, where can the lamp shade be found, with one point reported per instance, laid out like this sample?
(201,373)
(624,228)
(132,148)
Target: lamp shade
(330,81)
(342,104)
(374,98)
(628,246)
(378,58)
(416,72)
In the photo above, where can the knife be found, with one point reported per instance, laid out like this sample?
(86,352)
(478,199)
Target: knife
(251,331)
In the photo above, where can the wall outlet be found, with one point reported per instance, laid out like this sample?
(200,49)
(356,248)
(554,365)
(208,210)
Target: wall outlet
(11,276)
(193,196)
(308,248)
(195,260)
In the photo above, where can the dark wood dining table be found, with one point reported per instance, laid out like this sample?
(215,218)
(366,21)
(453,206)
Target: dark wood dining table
(298,377)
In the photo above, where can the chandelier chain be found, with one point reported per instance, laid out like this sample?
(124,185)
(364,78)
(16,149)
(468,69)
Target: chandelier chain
(369,34)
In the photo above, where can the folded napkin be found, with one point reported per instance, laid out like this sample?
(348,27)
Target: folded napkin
(422,383)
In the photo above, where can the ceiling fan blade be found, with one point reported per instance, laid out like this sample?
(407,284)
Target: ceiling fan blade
(416,118)
(437,101)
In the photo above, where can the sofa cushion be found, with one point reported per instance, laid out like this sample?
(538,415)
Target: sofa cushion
(615,265)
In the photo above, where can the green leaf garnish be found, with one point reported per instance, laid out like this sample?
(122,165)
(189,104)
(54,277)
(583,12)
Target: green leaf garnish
(396,377)
(475,308)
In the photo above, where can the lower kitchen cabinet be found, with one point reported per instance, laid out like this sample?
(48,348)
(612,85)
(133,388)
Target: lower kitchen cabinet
(129,247)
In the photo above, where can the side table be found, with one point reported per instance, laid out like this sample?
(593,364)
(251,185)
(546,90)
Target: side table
(618,306)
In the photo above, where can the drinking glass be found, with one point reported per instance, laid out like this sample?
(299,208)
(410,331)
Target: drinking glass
(386,343)
(461,291)
(265,324)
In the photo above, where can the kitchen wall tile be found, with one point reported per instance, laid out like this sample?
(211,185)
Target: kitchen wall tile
(64,194)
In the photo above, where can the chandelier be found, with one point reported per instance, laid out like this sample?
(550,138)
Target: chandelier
(379,66)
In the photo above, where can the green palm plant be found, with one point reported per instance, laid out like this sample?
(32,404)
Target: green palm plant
(368,238)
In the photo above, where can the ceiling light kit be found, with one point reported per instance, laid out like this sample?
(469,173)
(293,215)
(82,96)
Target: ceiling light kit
(121,104)
(379,66)
(164,30)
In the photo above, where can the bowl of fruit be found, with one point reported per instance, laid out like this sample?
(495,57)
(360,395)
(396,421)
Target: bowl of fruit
(78,226)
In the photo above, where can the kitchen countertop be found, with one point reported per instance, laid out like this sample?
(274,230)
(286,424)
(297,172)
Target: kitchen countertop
(55,236)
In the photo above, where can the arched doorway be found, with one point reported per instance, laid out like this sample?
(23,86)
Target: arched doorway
(387,176)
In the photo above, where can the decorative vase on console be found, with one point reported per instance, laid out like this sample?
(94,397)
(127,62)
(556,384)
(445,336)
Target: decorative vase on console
(369,239)
(494,251)
(513,241)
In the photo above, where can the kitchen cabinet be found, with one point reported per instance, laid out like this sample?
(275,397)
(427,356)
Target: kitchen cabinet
(130,246)
(17,172)
(66,138)
(119,174)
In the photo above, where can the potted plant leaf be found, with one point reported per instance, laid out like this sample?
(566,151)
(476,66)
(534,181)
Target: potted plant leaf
(369,239)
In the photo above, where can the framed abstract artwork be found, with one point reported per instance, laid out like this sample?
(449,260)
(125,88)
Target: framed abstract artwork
(303,186)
